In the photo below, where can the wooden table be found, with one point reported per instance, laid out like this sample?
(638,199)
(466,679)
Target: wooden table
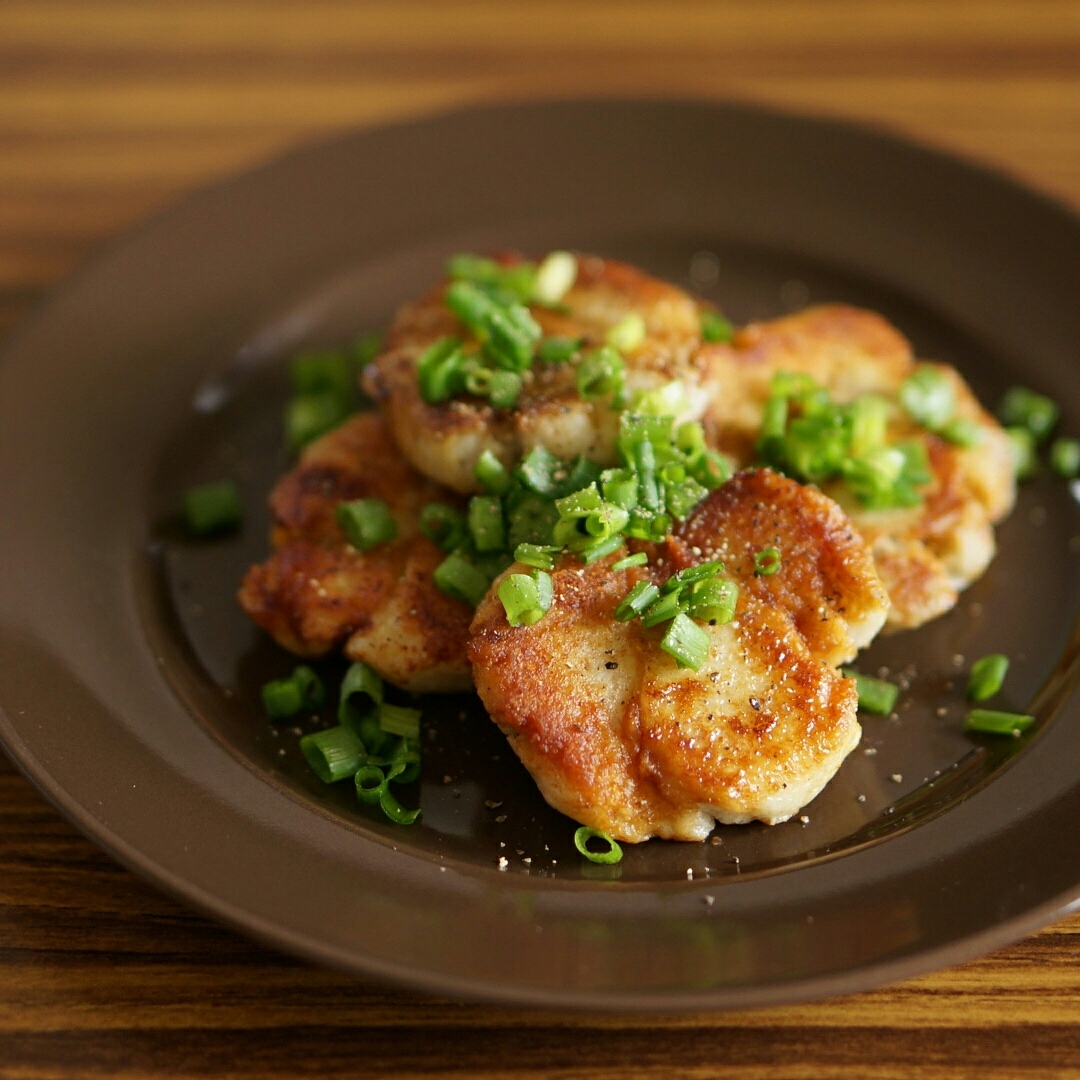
(108,110)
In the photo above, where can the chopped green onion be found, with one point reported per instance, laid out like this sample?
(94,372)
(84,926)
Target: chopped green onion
(486,524)
(504,389)
(1022,449)
(875,695)
(993,722)
(579,504)
(875,475)
(558,350)
(640,597)
(620,487)
(689,575)
(373,786)
(987,676)
(370,783)
(611,852)
(663,609)
(687,642)
(628,333)
(509,331)
(440,371)
(713,600)
(526,598)
(1065,458)
(283,698)
(711,469)
(366,522)
(531,518)
(869,422)
(399,720)
(1021,407)
(600,373)
(333,754)
(668,399)
(916,469)
(598,549)
(555,277)
(395,811)
(212,508)
(715,328)
(538,469)
(793,384)
(767,562)
(467,267)
(458,577)
(446,526)
(539,556)
(928,396)
(680,498)
(962,431)
(637,559)
(607,520)
(307,416)
(361,695)
(492,473)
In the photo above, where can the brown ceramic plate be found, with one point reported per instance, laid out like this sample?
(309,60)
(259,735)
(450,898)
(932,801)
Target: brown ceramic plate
(129,681)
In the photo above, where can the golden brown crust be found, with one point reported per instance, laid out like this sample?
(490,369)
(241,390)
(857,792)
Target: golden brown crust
(444,440)
(925,554)
(620,738)
(316,593)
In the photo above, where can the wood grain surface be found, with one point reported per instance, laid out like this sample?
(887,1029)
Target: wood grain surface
(110,110)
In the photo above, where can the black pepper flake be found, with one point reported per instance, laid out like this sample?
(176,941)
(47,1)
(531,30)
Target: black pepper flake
(755,704)
(611,665)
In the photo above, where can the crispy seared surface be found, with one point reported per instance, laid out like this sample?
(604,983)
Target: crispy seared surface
(444,441)
(619,738)
(927,554)
(316,593)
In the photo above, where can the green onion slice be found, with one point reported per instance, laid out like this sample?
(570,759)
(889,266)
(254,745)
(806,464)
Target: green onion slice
(875,695)
(555,277)
(767,562)
(539,556)
(458,577)
(600,374)
(610,852)
(366,522)
(715,328)
(686,641)
(637,600)
(361,695)
(628,333)
(713,600)
(1065,458)
(487,526)
(526,598)
(446,526)
(987,676)
(558,350)
(1021,407)
(637,559)
(994,722)
(212,508)
(928,396)
(399,720)
(283,698)
(1022,448)
(333,754)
